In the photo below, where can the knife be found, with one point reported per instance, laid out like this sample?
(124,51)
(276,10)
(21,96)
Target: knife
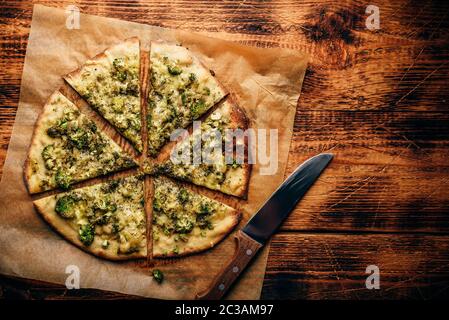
(266,221)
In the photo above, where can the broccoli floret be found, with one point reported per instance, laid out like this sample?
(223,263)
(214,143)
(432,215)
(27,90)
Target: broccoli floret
(197,108)
(115,228)
(192,77)
(102,212)
(158,275)
(174,70)
(62,180)
(183,196)
(205,209)
(46,154)
(119,64)
(119,69)
(203,222)
(64,207)
(183,225)
(118,104)
(157,205)
(111,186)
(132,89)
(79,138)
(92,126)
(86,234)
(183,98)
(202,218)
(58,129)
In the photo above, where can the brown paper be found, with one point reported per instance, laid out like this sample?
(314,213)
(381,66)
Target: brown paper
(266,83)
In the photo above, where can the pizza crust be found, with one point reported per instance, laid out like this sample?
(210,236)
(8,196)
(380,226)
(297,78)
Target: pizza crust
(45,207)
(199,244)
(222,218)
(33,186)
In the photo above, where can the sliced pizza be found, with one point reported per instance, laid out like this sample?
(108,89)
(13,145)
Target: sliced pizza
(182,89)
(107,219)
(185,222)
(215,169)
(110,83)
(68,147)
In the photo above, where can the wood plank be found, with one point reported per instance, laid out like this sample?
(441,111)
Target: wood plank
(25,289)
(390,171)
(376,99)
(317,266)
(332,266)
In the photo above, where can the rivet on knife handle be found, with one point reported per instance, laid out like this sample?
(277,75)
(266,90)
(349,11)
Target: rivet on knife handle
(245,252)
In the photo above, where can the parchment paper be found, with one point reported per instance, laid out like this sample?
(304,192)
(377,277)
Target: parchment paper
(266,83)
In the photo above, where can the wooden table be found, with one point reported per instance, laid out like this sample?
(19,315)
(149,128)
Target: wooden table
(377,99)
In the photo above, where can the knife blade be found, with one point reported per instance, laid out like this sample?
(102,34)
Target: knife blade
(271,215)
(266,221)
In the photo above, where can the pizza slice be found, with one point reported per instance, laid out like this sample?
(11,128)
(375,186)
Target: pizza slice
(67,147)
(182,90)
(185,222)
(215,171)
(110,83)
(107,219)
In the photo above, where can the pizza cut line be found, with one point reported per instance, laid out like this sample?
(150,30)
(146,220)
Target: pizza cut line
(108,219)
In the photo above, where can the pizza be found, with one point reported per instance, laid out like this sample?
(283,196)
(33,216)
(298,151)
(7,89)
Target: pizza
(181,90)
(225,174)
(185,222)
(110,83)
(113,217)
(107,219)
(68,147)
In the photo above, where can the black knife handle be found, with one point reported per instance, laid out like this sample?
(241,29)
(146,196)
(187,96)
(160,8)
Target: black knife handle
(245,252)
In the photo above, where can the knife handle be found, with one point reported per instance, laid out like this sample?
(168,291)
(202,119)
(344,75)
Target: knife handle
(245,252)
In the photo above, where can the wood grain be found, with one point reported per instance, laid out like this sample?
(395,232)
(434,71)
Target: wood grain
(376,99)
(332,266)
